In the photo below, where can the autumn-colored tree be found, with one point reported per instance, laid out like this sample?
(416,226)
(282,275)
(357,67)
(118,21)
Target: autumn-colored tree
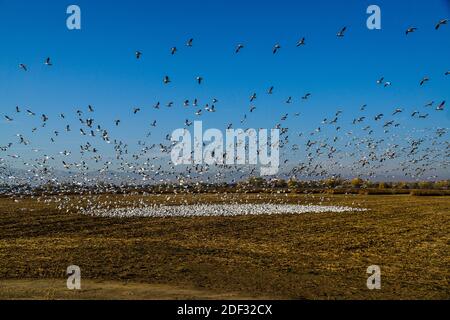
(357,182)
(332,182)
(401,185)
(292,184)
(425,185)
(279,183)
(444,184)
(256,182)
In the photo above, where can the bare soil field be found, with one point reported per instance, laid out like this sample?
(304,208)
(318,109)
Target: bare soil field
(297,256)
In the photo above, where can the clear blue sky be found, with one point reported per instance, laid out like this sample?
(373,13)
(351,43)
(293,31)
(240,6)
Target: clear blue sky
(96,65)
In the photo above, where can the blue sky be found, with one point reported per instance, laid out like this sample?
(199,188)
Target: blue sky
(96,65)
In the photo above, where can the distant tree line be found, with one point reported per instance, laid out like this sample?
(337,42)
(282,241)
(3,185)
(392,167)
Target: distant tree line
(337,183)
(253,184)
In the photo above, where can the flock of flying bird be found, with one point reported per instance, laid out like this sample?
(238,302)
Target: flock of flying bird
(367,150)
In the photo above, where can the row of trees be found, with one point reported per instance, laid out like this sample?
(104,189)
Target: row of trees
(254,184)
(335,183)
